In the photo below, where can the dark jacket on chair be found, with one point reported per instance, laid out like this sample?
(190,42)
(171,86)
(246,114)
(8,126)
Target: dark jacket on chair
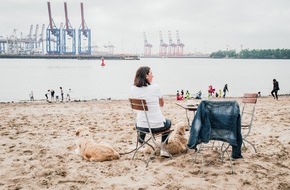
(217,120)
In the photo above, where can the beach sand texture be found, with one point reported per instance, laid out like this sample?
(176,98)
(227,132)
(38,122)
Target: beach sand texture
(38,142)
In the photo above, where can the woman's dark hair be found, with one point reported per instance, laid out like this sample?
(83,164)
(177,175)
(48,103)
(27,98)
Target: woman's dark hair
(140,77)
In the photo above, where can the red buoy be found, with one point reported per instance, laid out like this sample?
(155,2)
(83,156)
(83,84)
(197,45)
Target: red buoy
(103,62)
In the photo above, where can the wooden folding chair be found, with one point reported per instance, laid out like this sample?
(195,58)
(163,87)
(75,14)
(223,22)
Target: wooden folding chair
(249,101)
(141,105)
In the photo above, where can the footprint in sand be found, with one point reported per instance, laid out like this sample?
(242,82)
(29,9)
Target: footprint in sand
(27,152)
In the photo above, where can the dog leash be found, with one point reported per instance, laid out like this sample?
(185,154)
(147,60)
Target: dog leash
(123,153)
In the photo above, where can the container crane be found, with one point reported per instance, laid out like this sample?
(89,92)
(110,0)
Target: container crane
(147,47)
(2,45)
(172,46)
(29,41)
(68,36)
(52,35)
(35,37)
(41,38)
(61,29)
(179,45)
(84,36)
(13,43)
(109,48)
(162,46)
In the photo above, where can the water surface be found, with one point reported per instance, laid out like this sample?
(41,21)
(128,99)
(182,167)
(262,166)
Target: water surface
(88,80)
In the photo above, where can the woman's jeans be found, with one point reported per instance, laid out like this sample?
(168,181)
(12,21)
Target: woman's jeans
(167,125)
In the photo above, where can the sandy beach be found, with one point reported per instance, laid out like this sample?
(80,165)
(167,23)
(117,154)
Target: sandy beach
(38,142)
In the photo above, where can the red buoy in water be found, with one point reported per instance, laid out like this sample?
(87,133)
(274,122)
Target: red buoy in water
(103,62)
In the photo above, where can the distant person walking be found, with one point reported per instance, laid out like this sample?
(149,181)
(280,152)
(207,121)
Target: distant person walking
(61,93)
(225,90)
(274,92)
(31,96)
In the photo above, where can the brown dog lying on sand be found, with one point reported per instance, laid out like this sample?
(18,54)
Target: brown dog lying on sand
(177,142)
(91,150)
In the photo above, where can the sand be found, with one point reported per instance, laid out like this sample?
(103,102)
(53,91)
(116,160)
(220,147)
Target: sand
(38,142)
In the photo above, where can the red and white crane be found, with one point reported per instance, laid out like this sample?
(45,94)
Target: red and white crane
(147,47)
(162,46)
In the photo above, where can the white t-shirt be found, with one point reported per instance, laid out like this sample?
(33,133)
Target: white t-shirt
(151,94)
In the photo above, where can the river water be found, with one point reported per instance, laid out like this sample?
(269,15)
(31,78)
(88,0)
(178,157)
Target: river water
(87,79)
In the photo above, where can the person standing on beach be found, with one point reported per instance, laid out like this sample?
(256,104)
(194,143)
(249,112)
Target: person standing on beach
(211,91)
(225,90)
(31,96)
(68,95)
(46,95)
(143,88)
(52,95)
(61,93)
(275,89)
(187,95)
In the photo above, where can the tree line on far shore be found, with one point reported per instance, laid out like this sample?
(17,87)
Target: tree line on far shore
(253,54)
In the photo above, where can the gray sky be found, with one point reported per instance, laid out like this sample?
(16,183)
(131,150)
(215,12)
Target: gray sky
(204,25)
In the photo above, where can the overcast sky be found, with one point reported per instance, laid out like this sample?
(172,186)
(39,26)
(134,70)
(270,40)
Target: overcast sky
(204,25)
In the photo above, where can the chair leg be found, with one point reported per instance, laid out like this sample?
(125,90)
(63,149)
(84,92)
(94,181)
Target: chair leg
(231,163)
(202,162)
(162,146)
(221,151)
(149,158)
(250,144)
(138,147)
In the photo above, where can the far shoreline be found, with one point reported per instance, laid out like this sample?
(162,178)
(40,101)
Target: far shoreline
(111,99)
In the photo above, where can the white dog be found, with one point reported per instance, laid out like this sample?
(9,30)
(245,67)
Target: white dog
(91,150)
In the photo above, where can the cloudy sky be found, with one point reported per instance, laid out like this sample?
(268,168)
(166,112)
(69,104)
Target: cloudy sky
(203,25)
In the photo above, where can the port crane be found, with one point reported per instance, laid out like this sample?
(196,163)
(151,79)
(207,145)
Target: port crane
(147,46)
(179,45)
(110,48)
(84,36)
(68,36)
(41,38)
(52,35)
(162,46)
(35,44)
(172,46)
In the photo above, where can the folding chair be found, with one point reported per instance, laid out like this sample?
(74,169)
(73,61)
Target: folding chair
(218,122)
(141,105)
(249,101)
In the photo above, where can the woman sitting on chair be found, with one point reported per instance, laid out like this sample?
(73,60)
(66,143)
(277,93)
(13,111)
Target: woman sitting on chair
(144,89)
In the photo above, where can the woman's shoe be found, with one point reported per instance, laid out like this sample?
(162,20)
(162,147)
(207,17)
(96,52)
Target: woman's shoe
(164,154)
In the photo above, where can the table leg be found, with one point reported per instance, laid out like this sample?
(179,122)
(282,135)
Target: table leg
(187,117)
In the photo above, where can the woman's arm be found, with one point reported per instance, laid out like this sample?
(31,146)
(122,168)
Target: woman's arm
(161,102)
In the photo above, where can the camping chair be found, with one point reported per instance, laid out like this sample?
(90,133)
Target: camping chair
(141,105)
(218,122)
(249,101)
